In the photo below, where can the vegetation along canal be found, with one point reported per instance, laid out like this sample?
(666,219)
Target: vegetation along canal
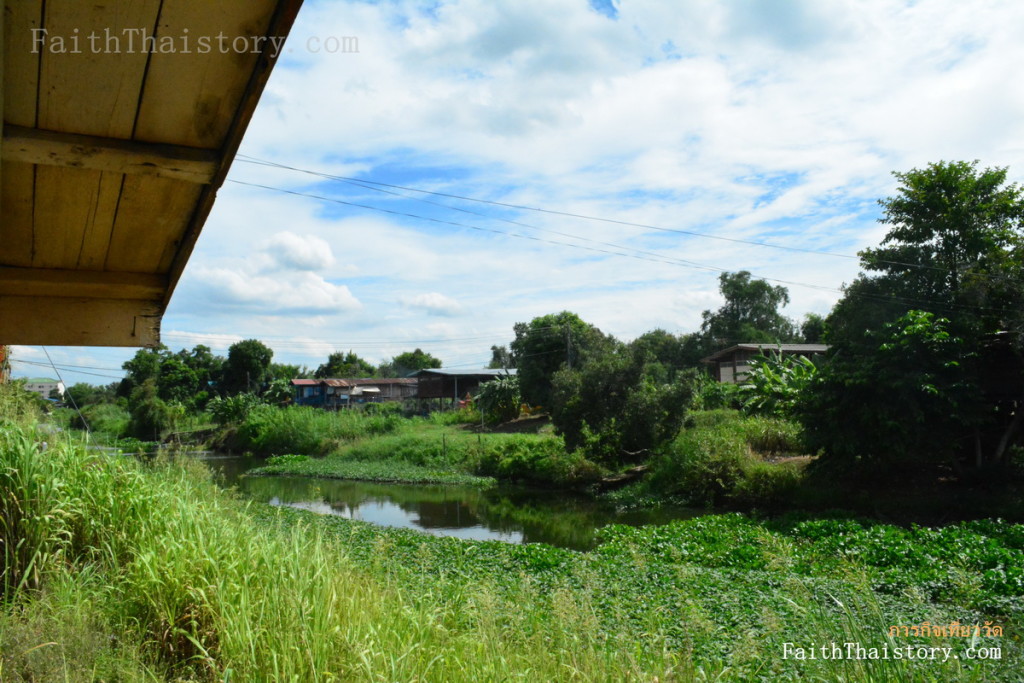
(504,513)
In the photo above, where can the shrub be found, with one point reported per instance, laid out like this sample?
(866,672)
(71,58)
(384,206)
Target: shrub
(446,418)
(499,399)
(538,460)
(105,418)
(232,409)
(767,485)
(308,431)
(714,461)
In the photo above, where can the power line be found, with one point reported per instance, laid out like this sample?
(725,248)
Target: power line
(375,185)
(669,261)
(73,368)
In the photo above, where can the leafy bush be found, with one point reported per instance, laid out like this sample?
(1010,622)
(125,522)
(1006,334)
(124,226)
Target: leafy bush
(775,384)
(232,410)
(615,408)
(710,394)
(539,460)
(716,460)
(105,418)
(499,399)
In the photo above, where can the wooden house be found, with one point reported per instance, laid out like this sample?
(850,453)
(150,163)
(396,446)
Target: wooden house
(732,364)
(449,386)
(345,393)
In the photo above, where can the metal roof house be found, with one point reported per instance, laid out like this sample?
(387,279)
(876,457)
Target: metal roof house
(732,364)
(120,121)
(447,383)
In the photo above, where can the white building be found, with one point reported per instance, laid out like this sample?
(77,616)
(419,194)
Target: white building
(45,386)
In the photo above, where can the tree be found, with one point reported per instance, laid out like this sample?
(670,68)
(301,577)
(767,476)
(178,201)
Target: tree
(83,394)
(908,404)
(664,354)
(288,372)
(344,365)
(144,365)
(544,345)
(620,404)
(151,417)
(501,358)
(207,366)
(813,329)
(920,341)
(405,363)
(247,367)
(750,313)
(176,381)
(953,248)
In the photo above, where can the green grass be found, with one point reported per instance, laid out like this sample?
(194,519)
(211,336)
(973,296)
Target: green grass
(148,572)
(418,450)
(390,471)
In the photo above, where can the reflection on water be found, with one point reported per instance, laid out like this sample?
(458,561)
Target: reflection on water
(510,514)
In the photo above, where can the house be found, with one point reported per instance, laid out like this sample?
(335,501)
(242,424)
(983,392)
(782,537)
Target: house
(448,385)
(344,393)
(732,364)
(45,386)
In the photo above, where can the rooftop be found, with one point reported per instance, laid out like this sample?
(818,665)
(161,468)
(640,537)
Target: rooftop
(767,346)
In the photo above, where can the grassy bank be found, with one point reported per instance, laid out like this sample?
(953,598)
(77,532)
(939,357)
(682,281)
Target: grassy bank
(417,450)
(116,570)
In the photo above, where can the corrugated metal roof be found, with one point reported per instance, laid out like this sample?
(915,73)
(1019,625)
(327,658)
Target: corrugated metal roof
(486,372)
(335,382)
(791,348)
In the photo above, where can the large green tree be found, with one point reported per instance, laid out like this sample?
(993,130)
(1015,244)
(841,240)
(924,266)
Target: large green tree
(247,367)
(408,362)
(750,313)
(923,342)
(546,344)
(341,365)
(953,248)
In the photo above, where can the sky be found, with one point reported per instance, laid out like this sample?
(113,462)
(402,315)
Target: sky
(610,158)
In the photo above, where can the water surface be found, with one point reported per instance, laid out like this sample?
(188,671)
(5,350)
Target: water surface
(505,513)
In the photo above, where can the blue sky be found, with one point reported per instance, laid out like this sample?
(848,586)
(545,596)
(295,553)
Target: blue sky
(777,122)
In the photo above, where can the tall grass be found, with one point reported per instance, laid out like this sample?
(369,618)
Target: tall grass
(719,458)
(202,592)
(269,430)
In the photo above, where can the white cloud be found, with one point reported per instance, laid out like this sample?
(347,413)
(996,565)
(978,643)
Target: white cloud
(301,293)
(433,303)
(777,122)
(286,250)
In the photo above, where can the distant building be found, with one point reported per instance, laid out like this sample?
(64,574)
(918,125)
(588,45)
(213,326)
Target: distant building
(445,384)
(731,365)
(344,393)
(45,386)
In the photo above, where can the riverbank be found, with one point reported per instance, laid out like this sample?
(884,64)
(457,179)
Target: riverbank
(418,450)
(146,572)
